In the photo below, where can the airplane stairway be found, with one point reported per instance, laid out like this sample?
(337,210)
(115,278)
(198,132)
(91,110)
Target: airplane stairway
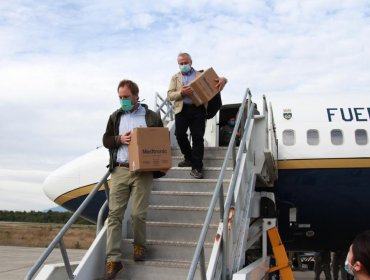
(176,214)
(178,222)
(240,247)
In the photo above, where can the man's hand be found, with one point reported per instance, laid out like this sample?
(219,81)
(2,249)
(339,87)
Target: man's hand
(126,138)
(186,91)
(221,82)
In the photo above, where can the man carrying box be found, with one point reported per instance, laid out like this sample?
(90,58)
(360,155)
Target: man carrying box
(124,183)
(188,115)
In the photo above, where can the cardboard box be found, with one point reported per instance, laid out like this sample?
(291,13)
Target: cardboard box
(204,87)
(149,149)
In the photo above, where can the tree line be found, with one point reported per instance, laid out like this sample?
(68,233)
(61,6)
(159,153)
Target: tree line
(39,217)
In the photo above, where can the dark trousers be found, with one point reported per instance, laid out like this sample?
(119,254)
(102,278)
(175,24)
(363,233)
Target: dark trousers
(194,118)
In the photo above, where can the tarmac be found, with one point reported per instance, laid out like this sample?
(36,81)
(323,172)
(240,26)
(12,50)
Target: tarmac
(17,261)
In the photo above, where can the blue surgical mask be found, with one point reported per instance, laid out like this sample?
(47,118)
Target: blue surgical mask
(231,123)
(348,268)
(126,104)
(185,68)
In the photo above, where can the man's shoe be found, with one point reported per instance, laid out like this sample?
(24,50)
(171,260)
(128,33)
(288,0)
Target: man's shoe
(197,174)
(184,163)
(111,270)
(139,253)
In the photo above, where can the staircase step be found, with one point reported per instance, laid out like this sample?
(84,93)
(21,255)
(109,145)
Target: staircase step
(207,161)
(189,185)
(155,270)
(173,198)
(183,232)
(179,214)
(208,151)
(165,250)
(208,172)
(177,210)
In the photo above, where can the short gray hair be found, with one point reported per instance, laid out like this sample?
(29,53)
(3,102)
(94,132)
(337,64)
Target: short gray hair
(184,54)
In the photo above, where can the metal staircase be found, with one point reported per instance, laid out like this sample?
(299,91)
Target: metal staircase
(175,219)
(241,224)
(212,228)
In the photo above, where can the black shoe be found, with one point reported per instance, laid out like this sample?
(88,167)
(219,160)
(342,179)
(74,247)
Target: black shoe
(197,174)
(184,163)
(111,270)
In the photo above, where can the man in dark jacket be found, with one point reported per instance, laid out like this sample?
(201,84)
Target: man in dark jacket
(124,183)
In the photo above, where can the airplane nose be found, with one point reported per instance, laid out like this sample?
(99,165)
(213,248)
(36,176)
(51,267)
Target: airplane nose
(81,172)
(62,180)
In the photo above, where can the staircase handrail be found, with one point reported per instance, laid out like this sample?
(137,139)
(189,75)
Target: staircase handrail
(265,112)
(159,107)
(270,126)
(218,192)
(58,239)
(230,193)
(273,142)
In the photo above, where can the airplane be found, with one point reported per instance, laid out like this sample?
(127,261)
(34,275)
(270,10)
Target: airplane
(322,191)
(324,171)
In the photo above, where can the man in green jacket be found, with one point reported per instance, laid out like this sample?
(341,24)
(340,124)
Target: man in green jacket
(124,183)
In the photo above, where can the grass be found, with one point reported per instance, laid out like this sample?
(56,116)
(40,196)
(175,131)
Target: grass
(40,235)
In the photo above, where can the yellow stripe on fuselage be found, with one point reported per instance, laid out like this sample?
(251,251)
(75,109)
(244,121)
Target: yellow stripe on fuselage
(324,163)
(60,200)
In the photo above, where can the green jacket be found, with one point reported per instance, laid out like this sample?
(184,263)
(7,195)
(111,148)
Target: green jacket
(111,138)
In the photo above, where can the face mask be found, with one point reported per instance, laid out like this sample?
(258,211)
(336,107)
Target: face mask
(185,68)
(126,104)
(231,123)
(348,268)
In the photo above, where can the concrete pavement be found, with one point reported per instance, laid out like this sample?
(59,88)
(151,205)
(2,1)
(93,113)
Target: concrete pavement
(15,262)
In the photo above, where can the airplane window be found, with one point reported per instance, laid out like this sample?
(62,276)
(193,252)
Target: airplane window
(361,136)
(336,137)
(288,137)
(312,137)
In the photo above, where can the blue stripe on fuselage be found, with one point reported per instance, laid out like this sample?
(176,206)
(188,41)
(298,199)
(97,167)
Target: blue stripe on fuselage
(333,201)
(92,209)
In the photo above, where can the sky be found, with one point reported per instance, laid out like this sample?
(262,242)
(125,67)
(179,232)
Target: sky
(61,61)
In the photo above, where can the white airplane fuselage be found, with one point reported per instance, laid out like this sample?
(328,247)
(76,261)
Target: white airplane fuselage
(324,171)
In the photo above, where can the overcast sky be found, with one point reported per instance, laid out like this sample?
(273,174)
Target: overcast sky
(61,61)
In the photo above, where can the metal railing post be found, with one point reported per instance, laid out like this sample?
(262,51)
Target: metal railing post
(221,202)
(99,222)
(265,113)
(165,103)
(224,258)
(234,155)
(106,189)
(66,259)
(203,265)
